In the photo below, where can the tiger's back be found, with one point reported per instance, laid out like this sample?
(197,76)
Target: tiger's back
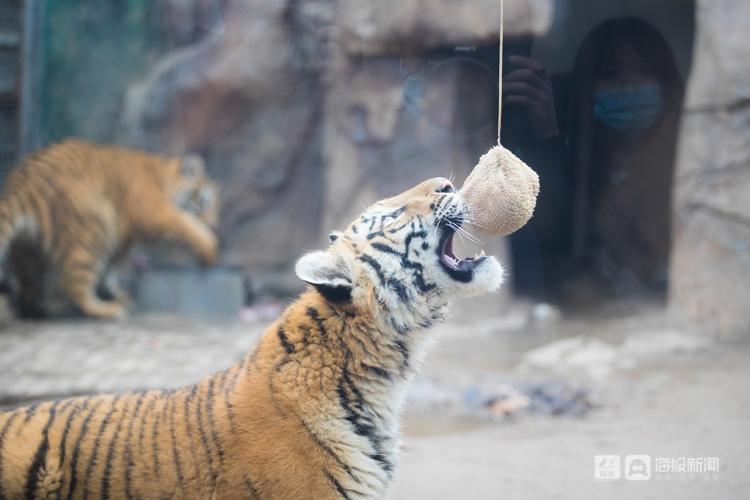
(140,445)
(82,205)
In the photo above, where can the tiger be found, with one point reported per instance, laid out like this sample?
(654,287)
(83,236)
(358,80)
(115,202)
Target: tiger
(70,212)
(311,412)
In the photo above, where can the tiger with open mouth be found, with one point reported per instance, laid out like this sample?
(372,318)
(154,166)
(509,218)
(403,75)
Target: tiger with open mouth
(311,412)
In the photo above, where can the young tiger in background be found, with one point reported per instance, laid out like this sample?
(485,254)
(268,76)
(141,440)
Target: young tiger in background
(312,412)
(69,212)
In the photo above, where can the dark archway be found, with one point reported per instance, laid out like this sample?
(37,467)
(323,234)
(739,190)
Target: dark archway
(602,225)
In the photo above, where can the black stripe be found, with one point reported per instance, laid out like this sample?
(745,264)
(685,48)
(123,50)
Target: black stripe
(400,329)
(229,391)
(375,265)
(383,462)
(397,229)
(313,435)
(175,453)
(188,429)
(250,487)
(394,284)
(357,414)
(128,461)
(305,334)
(80,406)
(401,346)
(382,247)
(68,403)
(360,416)
(422,285)
(395,213)
(3,432)
(211,421)
(111,452)
(223,379)
(30,412)
(204,437)
(408,264)
(288,346)
(338,486)
(144,423)
(315,316)
(154,442)
(77,449)
(400,290)
(97,442)
(40,456)
(378,371)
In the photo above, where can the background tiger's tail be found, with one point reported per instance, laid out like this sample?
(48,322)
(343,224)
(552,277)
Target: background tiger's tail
(8,229)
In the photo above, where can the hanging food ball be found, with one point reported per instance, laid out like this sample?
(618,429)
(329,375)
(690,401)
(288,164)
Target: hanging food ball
(500,192)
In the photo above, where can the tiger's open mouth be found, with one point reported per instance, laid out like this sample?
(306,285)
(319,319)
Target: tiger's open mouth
(458,269)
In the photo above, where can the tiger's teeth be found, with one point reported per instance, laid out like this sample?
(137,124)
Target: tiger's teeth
(482,254)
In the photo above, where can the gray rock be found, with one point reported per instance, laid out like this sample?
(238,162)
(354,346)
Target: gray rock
(710,268)
(398,26)
(248,98)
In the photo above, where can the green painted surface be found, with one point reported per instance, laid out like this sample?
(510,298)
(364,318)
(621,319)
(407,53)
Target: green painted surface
(93,50)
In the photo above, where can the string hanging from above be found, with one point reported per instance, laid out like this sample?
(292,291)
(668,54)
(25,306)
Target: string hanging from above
(500,73)
(501,191)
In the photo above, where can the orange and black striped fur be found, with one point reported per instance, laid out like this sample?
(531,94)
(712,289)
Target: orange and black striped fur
(312,412)
(70,211)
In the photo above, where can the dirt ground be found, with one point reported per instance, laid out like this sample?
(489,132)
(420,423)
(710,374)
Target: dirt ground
(671,404)
(652,389)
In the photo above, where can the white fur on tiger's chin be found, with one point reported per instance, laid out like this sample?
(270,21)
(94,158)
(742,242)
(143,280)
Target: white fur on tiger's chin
(489,276)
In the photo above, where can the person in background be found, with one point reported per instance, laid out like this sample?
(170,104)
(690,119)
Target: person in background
(627,96)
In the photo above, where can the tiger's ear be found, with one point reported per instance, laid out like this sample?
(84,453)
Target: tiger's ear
(327,273)
(192,165)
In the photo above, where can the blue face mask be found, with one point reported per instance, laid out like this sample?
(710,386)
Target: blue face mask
(628,108)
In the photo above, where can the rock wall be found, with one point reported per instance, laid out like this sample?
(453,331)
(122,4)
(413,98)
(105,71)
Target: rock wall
(248,97)
(399,26)
(305,111)
(710,267)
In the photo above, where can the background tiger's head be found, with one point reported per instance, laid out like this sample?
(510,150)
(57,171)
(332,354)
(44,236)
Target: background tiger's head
(398,255)
(195,191)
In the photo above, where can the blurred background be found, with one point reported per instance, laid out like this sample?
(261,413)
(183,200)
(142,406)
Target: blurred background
(624,325)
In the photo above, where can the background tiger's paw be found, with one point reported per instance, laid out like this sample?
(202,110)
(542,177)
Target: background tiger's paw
(126,301)
(209,257)
(208,253)
(106,310)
